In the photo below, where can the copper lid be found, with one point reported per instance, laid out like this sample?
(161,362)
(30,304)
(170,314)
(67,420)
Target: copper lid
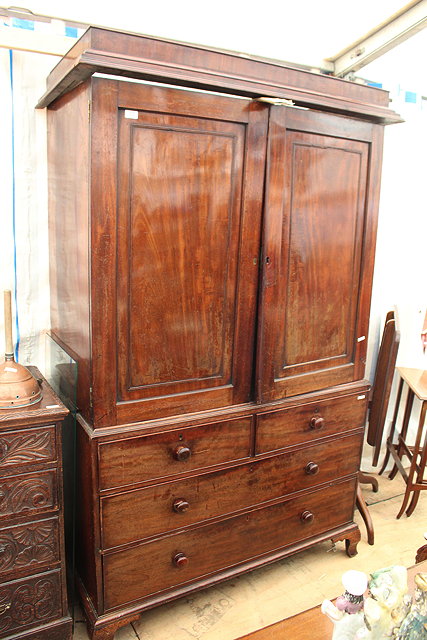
(18,388)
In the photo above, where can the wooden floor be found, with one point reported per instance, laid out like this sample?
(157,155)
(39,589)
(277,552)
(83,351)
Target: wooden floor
(285,588)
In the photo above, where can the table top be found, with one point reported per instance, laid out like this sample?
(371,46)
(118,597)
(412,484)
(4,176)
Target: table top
(312,624)
(48,409)
(308,625)
(416,379)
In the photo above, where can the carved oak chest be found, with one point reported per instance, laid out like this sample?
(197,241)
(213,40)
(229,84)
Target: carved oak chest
(33,598)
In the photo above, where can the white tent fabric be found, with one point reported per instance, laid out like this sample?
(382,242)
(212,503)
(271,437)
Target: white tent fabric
(300,32)
(23,158)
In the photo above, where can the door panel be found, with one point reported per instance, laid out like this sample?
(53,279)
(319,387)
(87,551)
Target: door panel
(188,233)
(324,251)
(314,236)
(184,229)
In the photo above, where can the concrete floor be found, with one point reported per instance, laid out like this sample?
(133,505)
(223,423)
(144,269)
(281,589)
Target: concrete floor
(266,595)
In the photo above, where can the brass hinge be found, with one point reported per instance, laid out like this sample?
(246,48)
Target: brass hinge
(90,397)
(89,109)
(277,102)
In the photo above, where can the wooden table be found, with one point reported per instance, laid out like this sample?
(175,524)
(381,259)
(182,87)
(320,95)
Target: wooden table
(416,380)
(312,624)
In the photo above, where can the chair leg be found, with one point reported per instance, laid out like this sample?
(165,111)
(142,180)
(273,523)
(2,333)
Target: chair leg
(404,431)
(386,459)
(423,461)
(393,472)
(392,427)
(410,510)
(365,478)
(362,506)
(414,459)
(405,502)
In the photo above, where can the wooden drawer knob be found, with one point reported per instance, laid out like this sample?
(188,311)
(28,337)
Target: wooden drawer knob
(307,517)
(180,505)
(311,468)
(180,560)
(317,422)
(181,453)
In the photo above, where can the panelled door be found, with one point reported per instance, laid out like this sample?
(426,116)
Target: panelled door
(318,249)
(203,182)
(190,189)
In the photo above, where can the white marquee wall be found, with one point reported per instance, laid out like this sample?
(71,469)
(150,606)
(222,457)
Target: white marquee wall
(24,196)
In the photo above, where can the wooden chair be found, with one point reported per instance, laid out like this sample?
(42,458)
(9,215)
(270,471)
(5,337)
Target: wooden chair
(383,381)
(378,405)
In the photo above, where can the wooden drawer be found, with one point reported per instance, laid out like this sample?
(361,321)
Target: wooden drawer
(29,546)
(30,602)
(28,493)
(27,447)
(129,574)
(287,427)
(132,460)
(141,513)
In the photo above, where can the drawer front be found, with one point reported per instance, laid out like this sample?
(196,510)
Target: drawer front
(141,513)
(129,574)
(287,427)
(25,447)
(28,493)
(174,452)
(29,546)
(30,602)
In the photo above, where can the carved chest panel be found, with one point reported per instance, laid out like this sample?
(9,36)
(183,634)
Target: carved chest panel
(32,557)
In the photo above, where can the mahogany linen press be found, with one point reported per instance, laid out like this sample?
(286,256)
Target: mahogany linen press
(211,262)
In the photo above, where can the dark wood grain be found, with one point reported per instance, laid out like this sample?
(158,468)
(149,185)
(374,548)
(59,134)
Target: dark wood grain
(215,494)
(368,256)
(223,280)
(178,246)
(159,425)
(169,100)
(279,429)
(145,458)
(103,247)
(61,629)
(25,447)
(364,512)
(197,66)
(28,493)
(128,576)
(187,249)
(222,272)
(116,618)
(29,547)
(68,166)
(31,521)
(30,602)
(87,518)
(384,372)
(204,356)
(321,298)
(315,241)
